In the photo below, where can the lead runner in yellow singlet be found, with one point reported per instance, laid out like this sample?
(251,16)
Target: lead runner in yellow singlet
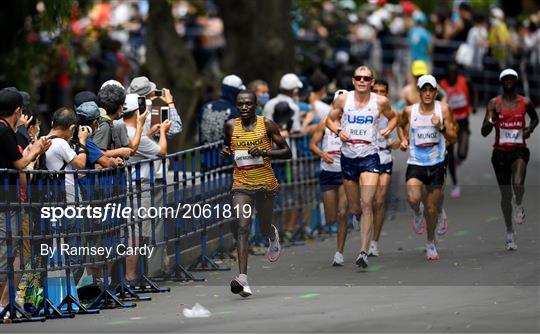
(249,139)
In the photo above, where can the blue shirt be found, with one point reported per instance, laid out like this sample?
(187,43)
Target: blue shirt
(93,153)
(419,39)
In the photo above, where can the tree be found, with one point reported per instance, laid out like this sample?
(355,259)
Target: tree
(260,42)
(170,64)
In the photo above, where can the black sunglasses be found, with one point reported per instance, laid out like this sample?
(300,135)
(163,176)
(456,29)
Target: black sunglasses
(364,78)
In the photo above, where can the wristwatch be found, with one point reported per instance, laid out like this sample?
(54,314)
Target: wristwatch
(338,131)
(443,129)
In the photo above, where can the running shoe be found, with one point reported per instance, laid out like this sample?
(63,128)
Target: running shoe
(419,223)
(274,247)
(240,285)
(518,211)
(373,249)
(456,192)
(510,243)
(338,259)
(442,223)
(431,252)
(362,260)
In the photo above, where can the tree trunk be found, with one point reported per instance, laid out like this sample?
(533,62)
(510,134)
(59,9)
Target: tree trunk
(170,64)
(260,42)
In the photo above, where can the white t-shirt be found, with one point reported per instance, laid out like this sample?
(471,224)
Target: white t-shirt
(58,154)
(323,109)
(268,110)
(147,149)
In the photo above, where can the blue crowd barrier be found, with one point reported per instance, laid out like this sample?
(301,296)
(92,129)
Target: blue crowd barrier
(193,186)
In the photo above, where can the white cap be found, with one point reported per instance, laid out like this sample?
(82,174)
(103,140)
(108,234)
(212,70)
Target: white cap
(497,13)
(338,93)
(427,79)
(508,72)
(290,81)
(112,82)
(131,103)
(233,81)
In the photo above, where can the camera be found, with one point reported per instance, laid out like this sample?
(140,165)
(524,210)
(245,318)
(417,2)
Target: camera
(158,93)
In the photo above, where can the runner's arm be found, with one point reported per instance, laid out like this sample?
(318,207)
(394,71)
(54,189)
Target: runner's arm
(489,118)
(228,129)
(534,118)
(389,113)
(317,137)
(335,113)
(402,130)
(450,127)
(283,151)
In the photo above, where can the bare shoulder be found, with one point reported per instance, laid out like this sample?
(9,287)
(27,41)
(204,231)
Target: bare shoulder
(270,125)
(340,101)
(383,101)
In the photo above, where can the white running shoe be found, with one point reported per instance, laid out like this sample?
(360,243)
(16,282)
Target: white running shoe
(419,223)
(456,192)
(274,247)
(518,211)
(431,252)
(338,259)
(442,223)
(373,249)
(510,243)
(240,285)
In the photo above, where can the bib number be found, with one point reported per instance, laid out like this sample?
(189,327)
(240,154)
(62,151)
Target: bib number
(511,136)
(245,161)
(361,135)
(427,136)
(458,100)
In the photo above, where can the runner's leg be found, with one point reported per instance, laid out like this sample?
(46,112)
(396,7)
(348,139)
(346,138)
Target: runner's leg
(368,182)
(342,217)
(379,204)
(243,230)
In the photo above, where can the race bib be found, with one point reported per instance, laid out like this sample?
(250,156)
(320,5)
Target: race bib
(359,134)
(426,136)
(245,161)
(511,136)
(458,100)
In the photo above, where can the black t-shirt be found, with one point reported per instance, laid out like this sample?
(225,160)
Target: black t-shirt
(23,139)
(8,154)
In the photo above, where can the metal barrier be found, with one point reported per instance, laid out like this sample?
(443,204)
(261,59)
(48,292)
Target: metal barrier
(46,214)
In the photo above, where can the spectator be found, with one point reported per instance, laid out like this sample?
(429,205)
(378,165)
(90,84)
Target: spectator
(289,86)
(260,87)
(215,113)
(319,109)
(499,38)
(12,158)
(147,149)
(419,39)
(109,137)
(145,88)
(460,28)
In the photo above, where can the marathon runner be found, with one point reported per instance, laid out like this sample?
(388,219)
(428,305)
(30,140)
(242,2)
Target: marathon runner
(506,113)
(331,181)
(426,128)
(458,90)
(359,111)
(249,138)
(386,145)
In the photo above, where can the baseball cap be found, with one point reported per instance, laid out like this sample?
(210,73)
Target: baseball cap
(233,81)
(419,17)
(84,96)
(282,112)
(419,68)
(427,79)
(10,100)
(88,111)
(290,81)
(112,82)
(131,103)
(338,93)
(25,96)
(141,86)
(508,72)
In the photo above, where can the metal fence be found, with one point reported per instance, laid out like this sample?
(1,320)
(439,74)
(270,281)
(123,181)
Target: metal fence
(100,211)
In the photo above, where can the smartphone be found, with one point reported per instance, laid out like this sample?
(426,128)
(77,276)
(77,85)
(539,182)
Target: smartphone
(142,104)
(164,114)
(158,93)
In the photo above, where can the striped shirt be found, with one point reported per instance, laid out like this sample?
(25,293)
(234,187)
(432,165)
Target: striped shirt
(250,172)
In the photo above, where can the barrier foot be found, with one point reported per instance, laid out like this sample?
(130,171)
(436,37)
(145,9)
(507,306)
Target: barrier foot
(222,253)
(70,300)
(181,274)
(125,293)
(204,263)
(107,300)
(149,286)
(18,315)
(52,312)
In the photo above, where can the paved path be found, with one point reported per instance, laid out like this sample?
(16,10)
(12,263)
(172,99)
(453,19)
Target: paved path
(475,287)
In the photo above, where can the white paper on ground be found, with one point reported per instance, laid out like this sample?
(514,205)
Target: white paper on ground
(198,311)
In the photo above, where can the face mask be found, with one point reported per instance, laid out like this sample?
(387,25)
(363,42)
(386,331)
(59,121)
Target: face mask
(263,99)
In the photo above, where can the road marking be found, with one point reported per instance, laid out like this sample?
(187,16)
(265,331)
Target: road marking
(373,268)
(309,295)
(491,219)
(460,233)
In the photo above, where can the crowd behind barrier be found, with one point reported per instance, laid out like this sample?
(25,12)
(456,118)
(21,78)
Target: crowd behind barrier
(60,208)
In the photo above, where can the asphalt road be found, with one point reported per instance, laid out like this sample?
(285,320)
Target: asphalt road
(477,286)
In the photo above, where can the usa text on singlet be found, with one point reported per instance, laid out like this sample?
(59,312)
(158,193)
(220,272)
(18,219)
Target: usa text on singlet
(361,124)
